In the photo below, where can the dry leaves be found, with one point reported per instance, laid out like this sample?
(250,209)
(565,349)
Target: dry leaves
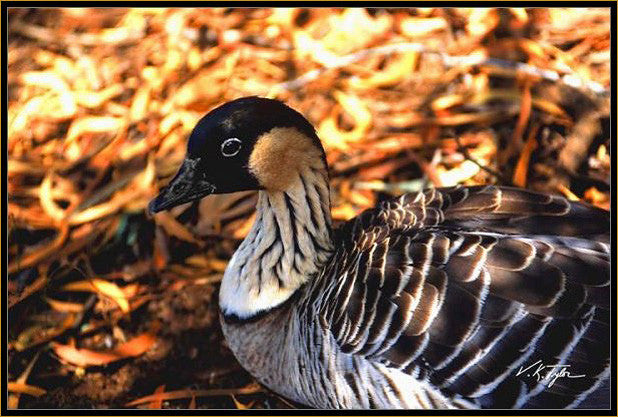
(101,102)
(86,357)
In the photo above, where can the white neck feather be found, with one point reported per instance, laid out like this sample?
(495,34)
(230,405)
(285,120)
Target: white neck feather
(289,242)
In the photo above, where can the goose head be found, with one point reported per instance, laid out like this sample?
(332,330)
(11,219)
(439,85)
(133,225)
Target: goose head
(251,143)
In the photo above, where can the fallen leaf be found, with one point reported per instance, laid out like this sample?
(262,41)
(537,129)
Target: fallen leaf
(176,395)
(344,212)
(107,288)
(87,357)
(413,27)
(83,357)
(596,197)
(93,124)
(35,256)
(397,69)
(64,306)
(157,403)
(175,228)
(521,169)
(25,389)
(451,177)
(241,406)
(20,386)
(37,334)
(568,193)
(329,131)
(136,346)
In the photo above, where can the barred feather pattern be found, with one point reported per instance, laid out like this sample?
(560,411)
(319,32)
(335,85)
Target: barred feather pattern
(288,242)
(448,298)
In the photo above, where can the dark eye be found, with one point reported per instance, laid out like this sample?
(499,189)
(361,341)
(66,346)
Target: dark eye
(231,147)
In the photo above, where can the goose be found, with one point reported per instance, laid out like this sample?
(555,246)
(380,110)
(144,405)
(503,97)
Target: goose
(460,297)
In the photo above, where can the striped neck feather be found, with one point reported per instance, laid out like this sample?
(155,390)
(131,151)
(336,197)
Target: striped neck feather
(289,242)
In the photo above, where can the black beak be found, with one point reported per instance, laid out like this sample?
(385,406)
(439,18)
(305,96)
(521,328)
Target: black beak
(188,185)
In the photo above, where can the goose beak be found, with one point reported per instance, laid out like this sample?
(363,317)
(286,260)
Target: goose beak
(188,185)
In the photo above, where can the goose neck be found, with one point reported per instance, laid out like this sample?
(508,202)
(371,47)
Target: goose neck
(288,244)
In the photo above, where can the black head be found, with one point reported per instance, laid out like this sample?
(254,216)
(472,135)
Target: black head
(221,146)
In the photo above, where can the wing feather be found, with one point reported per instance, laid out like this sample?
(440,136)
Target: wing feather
(468,284)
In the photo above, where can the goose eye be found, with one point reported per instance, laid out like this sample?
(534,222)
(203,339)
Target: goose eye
(231,147)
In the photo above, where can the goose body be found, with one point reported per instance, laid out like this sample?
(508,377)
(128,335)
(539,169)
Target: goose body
(465,297)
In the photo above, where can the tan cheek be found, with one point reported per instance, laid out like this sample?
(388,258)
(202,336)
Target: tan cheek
(279,156)
(277,170)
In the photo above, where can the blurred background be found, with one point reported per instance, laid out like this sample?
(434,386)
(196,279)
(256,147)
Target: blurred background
(108,307)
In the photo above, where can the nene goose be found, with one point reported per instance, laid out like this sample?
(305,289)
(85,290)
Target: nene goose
(475,297)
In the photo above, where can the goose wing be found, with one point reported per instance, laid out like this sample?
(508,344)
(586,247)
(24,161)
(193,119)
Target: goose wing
(479,290)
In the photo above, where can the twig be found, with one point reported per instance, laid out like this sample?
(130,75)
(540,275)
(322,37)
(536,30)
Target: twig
(117,36)
(176,395)
(34,257)
(469,157)
(571,78)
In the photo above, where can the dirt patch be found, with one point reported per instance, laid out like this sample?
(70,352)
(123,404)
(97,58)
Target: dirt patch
(190,353)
